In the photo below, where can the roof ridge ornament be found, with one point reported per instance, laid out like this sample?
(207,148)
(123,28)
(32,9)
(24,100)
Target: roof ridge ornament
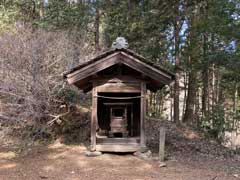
(120,43)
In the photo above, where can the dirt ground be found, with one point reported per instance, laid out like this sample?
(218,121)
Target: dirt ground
(63,162)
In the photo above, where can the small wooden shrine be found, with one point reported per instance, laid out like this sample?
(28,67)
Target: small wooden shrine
(119,80)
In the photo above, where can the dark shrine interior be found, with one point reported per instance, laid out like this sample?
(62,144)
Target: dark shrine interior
(132,106)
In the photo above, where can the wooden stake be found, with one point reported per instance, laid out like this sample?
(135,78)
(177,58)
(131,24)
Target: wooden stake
(161,143)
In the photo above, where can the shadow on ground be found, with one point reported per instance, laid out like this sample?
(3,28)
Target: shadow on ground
(59,161)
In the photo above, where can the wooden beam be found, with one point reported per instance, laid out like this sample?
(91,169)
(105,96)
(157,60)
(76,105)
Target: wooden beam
(94,117)
(146,65)
(145,69)
(92,69)
(119,87)
(143,116)
(123,79)
(118,104)
(92,64)
(117,140)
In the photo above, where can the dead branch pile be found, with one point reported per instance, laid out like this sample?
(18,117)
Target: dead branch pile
(73,127)
(32,88)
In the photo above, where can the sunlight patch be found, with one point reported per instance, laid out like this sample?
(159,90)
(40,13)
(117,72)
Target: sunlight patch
(7,155)
(8,166)
(48,168)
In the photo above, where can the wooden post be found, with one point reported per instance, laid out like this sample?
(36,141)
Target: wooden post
(131,120)
(94,117)
(161,143)
(143,116)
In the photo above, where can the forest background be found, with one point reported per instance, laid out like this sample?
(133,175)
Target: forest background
(196,39)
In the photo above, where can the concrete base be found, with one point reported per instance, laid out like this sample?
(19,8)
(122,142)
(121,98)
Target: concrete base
(162,164)
(93,153)
(144,155)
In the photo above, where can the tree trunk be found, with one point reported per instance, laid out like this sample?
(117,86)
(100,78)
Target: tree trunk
(171,108)
(205,92)
(41,9)
(97,22)
(191,97)
(205,79)
(177,27)
(235,105)
(197,109)
(185,93)
(176,99)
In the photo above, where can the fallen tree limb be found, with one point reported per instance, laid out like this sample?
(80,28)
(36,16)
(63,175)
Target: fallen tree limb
(7,118)
(57,117)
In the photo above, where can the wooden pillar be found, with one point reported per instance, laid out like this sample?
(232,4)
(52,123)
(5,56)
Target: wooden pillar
(143,116)
(94,117)
(131,119)
(161,143)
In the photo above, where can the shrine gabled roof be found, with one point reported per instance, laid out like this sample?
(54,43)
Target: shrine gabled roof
(107,53)
(82,73)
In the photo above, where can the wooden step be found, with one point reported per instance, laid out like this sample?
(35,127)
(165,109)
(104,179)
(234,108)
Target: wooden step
(118,140)
(122,147)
